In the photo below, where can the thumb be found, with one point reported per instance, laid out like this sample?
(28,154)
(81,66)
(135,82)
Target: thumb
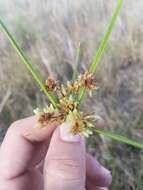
(64,167)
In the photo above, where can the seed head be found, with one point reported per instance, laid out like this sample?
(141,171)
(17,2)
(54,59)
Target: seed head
(73,87)
(87,81)
(68,105)
(68,110)
(45,118)
(51,84)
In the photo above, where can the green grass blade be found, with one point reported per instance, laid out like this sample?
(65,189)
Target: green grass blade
(26,62)
(74,76)
(105,40)
(119,138)
(103,45)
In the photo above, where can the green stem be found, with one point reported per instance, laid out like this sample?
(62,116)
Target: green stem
(74,76)
(118,138)
(29,66)
(103,45)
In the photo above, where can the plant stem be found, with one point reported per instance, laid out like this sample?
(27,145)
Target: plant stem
(118,138)
(103,45)
(74,76)
(29,66)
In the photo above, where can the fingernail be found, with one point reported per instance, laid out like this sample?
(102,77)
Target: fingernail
(66,136)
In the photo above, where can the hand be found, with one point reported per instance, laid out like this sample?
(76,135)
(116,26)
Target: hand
(37,159)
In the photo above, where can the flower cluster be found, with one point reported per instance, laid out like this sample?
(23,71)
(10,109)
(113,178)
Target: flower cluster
(68,110)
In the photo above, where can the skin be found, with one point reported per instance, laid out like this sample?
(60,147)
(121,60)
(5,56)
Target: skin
(38,159)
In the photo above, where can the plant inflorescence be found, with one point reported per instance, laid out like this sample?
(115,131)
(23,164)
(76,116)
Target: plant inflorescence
(65,99)
(67,109)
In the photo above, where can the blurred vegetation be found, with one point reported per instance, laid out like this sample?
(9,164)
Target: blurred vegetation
(49,33)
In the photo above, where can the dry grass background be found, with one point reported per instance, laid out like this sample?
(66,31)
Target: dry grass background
(49,32)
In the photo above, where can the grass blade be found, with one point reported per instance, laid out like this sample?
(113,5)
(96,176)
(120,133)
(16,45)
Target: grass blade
(26,62)
(103,45)
(119,138)
(74,76)
(105,40)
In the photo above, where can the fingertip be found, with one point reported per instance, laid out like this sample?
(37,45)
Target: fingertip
(101,122)
(39,134)
(27,128)
(21,126)
(97,174)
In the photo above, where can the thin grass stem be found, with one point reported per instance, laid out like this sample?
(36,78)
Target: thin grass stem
(74,76)
(119,138)
(26,62)
(103,45)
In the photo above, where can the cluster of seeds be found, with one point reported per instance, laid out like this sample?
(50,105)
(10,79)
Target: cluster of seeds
(68,110)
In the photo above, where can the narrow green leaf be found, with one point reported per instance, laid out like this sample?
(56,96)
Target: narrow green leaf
(105,40)
(74,76)
(119,138)
(103,45)
(29,66)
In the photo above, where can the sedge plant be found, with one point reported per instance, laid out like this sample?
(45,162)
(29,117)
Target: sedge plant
(65,99)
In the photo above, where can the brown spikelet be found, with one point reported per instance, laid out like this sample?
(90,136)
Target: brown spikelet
(87,81)
(67,105)
(77,128)
(44,118)
(51,84)
(73,87)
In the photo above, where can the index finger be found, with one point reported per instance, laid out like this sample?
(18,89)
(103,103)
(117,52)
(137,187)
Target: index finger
(23,147)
